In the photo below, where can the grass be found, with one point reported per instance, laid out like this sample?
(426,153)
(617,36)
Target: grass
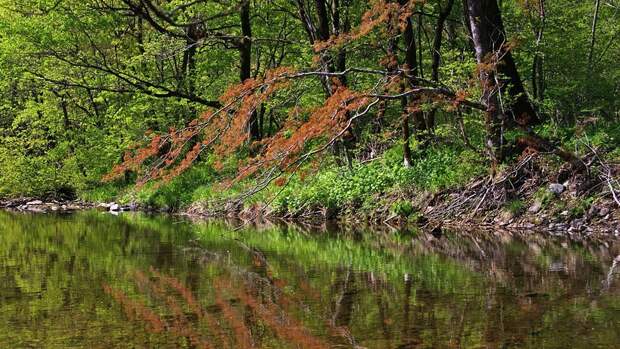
(515,207)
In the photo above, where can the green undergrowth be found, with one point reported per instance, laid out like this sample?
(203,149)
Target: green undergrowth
(366,186)
(362,189)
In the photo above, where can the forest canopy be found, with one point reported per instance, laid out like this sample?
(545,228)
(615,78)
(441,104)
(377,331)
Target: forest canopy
(107,93)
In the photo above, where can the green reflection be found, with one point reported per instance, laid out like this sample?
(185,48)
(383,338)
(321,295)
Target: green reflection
(96,280)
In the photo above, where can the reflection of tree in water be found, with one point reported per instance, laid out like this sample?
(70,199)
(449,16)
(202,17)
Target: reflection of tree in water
(252,308)
(242,316)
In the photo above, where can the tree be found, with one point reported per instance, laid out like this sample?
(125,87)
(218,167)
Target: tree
(497,72)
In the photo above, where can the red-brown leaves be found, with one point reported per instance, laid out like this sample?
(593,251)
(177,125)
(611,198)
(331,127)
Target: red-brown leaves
(223,131)
(388,15)
(328,120)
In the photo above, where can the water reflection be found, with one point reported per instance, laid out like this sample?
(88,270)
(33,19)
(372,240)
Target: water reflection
(95,280)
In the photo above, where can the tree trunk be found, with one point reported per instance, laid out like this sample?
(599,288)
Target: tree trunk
(322,32)
(597,7)
(437,40)
(497,70)
(436,50)
(412,70)
(391,66)
(538,74)
(245,56)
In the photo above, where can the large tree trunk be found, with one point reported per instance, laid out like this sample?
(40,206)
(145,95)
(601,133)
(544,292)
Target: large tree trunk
(497,70)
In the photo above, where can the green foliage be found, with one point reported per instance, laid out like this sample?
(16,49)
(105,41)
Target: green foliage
(442,167)
(101,193)
(544,196)
(179,192)
(76,91)
(515,207)
(360,187)
(581,207)
(403,208)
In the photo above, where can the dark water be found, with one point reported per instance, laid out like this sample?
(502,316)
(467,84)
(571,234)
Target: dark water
(92,280)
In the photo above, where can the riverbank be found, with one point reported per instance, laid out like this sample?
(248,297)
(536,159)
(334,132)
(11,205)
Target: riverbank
(446,186)
(524,197)
(535,194)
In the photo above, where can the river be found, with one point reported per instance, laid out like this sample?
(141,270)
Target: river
(95,280)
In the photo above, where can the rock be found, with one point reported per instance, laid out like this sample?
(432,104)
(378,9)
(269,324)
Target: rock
(34,203)
(504,218)
(604,211)
(593,210)
(556,188)
(577,224)
(114,207)
(535,208)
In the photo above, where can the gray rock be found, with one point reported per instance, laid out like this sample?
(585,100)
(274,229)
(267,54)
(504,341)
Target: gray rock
(604,211)
(535,208)
(593,210)
(556,188)
(577,224)
(115,207)
(33,203)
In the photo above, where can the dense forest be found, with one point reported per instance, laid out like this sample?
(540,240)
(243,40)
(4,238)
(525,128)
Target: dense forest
(305,106)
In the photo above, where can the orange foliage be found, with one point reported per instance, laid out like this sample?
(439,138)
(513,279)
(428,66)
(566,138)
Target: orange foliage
(282,150)
(381,12)
(223,130)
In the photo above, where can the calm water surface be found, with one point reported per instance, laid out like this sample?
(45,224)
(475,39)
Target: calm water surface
(93,280)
